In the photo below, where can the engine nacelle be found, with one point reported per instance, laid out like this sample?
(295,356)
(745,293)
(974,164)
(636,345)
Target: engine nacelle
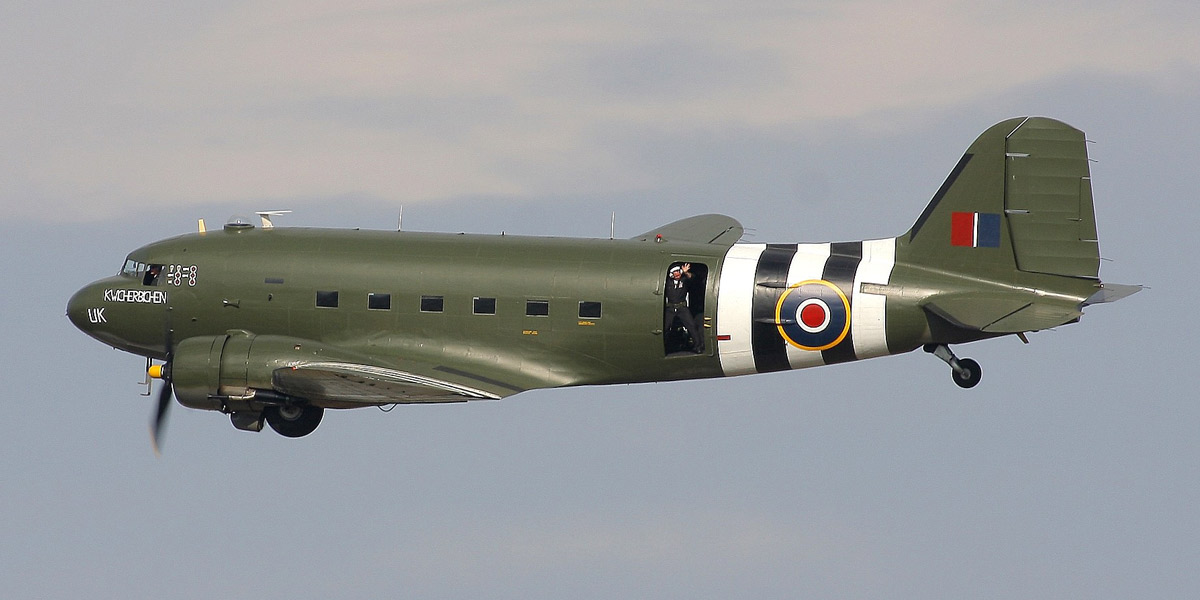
(226,372)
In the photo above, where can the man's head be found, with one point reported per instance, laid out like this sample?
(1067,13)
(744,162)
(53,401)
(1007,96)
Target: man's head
(675,272)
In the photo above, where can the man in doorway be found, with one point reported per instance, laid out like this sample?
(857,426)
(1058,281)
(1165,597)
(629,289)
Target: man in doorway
(676,294)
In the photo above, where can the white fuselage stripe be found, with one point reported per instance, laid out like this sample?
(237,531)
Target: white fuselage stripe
(809,263)
(735,304)
(734,308)
(868,327)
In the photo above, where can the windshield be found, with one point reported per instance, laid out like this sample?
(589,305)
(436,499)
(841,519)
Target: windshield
(135,269)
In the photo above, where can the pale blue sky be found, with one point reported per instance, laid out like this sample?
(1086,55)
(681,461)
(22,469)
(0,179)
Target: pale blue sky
(1071,472)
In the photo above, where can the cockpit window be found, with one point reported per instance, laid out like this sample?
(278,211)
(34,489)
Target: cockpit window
(135,269)
(151,276)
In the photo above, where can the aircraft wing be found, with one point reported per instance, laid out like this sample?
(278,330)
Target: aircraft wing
(701,229)
(335,384)
(327,375)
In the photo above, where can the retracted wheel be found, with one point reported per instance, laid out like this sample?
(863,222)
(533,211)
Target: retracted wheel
(294,421)
(967,374)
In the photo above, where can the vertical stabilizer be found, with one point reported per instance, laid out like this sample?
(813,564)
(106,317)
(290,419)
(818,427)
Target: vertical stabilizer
(1019,199)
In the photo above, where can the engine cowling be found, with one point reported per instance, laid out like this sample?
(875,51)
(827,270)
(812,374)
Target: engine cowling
(226,372)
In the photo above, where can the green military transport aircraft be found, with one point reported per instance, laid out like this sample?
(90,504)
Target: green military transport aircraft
(278,324)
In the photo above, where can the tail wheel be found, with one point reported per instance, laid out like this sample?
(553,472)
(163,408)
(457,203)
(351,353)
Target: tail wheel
(294,421)
(968,374)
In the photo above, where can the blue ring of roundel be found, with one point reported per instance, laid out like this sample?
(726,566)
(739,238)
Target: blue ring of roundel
(836,326)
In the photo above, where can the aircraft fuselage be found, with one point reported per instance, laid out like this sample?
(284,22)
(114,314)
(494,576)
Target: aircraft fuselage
(529,312)
(285,322)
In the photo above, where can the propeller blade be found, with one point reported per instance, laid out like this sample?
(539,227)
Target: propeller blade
(160,414)
(164,393)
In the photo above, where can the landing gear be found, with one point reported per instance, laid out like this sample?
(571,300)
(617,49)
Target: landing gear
(294,421)
(966,372)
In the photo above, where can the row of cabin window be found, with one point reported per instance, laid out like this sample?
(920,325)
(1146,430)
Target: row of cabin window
(479,306)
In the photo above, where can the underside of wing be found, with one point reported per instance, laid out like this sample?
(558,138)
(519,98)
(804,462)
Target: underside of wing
(338,384)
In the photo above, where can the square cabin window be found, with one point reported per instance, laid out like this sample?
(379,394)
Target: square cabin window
(327,299)
(589,310)
(537,308)
(379,301)
(432,304)
(483,306)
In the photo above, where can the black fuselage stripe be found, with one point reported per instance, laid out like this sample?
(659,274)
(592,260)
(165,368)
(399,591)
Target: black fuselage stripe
(770,281)
(840,268)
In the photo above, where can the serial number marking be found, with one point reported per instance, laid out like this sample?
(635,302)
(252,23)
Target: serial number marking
(180,275)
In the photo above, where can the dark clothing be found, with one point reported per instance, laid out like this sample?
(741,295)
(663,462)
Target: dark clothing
(676,291)
(677,308)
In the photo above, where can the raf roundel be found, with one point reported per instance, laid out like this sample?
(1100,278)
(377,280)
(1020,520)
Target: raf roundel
(813,315)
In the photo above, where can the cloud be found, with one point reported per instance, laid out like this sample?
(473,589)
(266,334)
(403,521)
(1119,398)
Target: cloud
(426,101)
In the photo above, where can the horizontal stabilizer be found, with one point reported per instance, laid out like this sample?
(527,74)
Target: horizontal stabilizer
(701,229)
(1111,292)
(1035,317)
(1002,313)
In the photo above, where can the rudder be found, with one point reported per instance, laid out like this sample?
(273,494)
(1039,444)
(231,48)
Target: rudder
(1048,200)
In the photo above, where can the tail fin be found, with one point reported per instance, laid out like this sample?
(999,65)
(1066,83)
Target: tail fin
(1020,198)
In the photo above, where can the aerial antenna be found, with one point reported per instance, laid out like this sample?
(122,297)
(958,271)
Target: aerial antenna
(400,219)
(266,215)
(612,226)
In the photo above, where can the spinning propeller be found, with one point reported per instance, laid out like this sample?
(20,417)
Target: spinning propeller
(162,372)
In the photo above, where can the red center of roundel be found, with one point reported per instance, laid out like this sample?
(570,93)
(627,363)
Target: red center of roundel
(813,315)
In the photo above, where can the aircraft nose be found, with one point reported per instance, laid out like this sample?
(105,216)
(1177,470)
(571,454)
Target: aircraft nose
(82,308)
